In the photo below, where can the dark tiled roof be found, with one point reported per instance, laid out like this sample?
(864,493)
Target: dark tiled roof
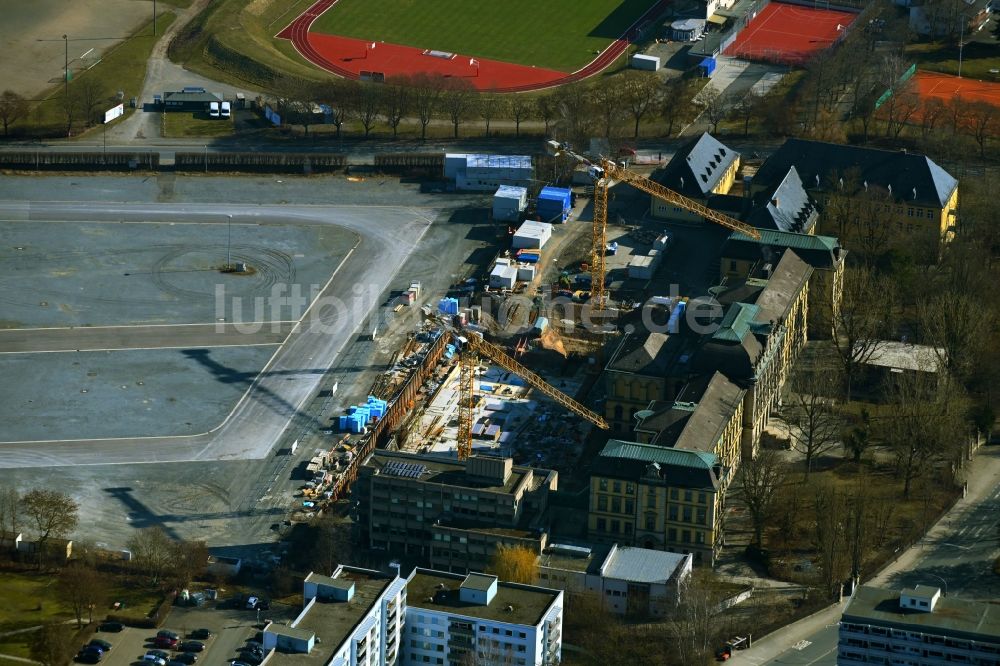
(911,177)
(698,166)
(785,284)
(642,355)
(817,251)
(184,97)
(787,208)
(675,467)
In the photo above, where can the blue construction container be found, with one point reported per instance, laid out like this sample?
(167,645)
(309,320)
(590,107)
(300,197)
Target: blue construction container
(448,306)
(554,204)
(707,66)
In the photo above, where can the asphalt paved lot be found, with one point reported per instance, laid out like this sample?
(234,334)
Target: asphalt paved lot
(170,336)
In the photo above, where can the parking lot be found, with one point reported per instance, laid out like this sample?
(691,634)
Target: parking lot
(232,629)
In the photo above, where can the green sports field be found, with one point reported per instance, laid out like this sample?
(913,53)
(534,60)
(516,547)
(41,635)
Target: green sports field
(557,34)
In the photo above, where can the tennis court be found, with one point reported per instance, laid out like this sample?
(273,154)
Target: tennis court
(947,87)
(789,34)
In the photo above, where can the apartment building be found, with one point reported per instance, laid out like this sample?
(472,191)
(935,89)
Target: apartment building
(476,619)
(448,513)
(630,581)
(658,498)
(353,617)
(917,627)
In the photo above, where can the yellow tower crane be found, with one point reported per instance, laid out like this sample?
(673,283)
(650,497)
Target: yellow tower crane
(606,172)
(473,348)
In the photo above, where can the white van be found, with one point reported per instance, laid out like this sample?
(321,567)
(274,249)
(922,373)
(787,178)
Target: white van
(227,108)
(213,109)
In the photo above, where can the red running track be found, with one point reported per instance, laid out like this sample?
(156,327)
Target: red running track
(789,34)
(348,57)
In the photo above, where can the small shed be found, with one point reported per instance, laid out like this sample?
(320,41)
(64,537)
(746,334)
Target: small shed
(645,62)
(509,202)
(189,100)
(554,204)
(503,277)
(532,235)
(687,30)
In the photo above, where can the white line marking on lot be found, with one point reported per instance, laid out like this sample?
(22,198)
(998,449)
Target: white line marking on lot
(802,645)
(113,349)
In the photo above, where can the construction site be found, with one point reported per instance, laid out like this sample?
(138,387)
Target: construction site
(506,364)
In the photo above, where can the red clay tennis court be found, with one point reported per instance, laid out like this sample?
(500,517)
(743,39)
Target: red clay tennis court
(789,34)
(946,87)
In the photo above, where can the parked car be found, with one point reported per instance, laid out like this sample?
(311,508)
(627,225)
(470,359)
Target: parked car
(111,626)
(159,654)
(167,633)
(252,602)
(97,642)
(174,662)
(191,646)
(165,642)
(237,662)
(188,658)
(89,656)
(154,659)
(226,109)
(213,109)
(200,634)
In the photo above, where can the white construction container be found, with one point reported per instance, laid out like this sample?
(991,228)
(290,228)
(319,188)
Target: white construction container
(525,272)
(503,277)
(532,235)
(645,62)
(509,202)
(641,268)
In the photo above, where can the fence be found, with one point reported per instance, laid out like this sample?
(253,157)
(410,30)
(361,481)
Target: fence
(260,162)
(95,161)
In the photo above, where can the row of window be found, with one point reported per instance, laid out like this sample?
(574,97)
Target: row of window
(617,486)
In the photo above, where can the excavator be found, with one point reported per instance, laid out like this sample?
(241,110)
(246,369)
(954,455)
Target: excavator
(606,173)
(472,348)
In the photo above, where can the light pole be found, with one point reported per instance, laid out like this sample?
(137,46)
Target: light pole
(154,18)
(66,69)
(229,244)
(940,579)
(961,38)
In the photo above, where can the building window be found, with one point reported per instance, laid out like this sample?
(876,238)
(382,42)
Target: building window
(673,493)
(627,528)
(602,525)
(672,534)
(650,522)
(672,512)
(687,495)
(686,536)
(732,265)
(602,484)
(687,514)
(701,516)
(629,489)
(602,502)
(615,526)
(699,537)
(616,504)
(617,486)
(701,498)
(629,507)
(651,500)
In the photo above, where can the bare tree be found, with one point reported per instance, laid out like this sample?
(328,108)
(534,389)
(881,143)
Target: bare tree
(367,104)
(82,589)
(10,501)
(760,479)
(746,108)
(864,318)
(397,101)
(641,94)
(298,98)
(427,90)
(53,514)
(856,209)
(932,111)
(521,107)
(90,93)
(190,561)
(813,426)
(52,644)
(983,122)
(927,424)
(575,110)
(13,107)
(673,103)
(858,438)
(337,95)
(152,552)
(606,98)
(716,106)
(830,536)
(957,325)
(491,106)
(692,622)
(457,101)
(547,107)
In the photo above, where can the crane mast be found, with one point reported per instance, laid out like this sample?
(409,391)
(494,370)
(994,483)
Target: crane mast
(609,171)
(472,349)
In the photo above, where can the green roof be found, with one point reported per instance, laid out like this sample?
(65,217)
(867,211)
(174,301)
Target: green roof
(789,239)
(736,324)
(616,448)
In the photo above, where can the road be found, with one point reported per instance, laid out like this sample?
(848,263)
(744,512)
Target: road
(289,379)
(957,553)
(168,336)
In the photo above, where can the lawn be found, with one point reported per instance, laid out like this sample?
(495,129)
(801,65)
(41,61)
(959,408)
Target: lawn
(181,124)
(556,34)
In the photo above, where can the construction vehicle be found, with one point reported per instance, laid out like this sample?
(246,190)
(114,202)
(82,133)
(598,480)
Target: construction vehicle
(605,172)
(472,348)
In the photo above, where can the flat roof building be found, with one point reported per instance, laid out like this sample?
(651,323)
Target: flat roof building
(918,627)
(475,618)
